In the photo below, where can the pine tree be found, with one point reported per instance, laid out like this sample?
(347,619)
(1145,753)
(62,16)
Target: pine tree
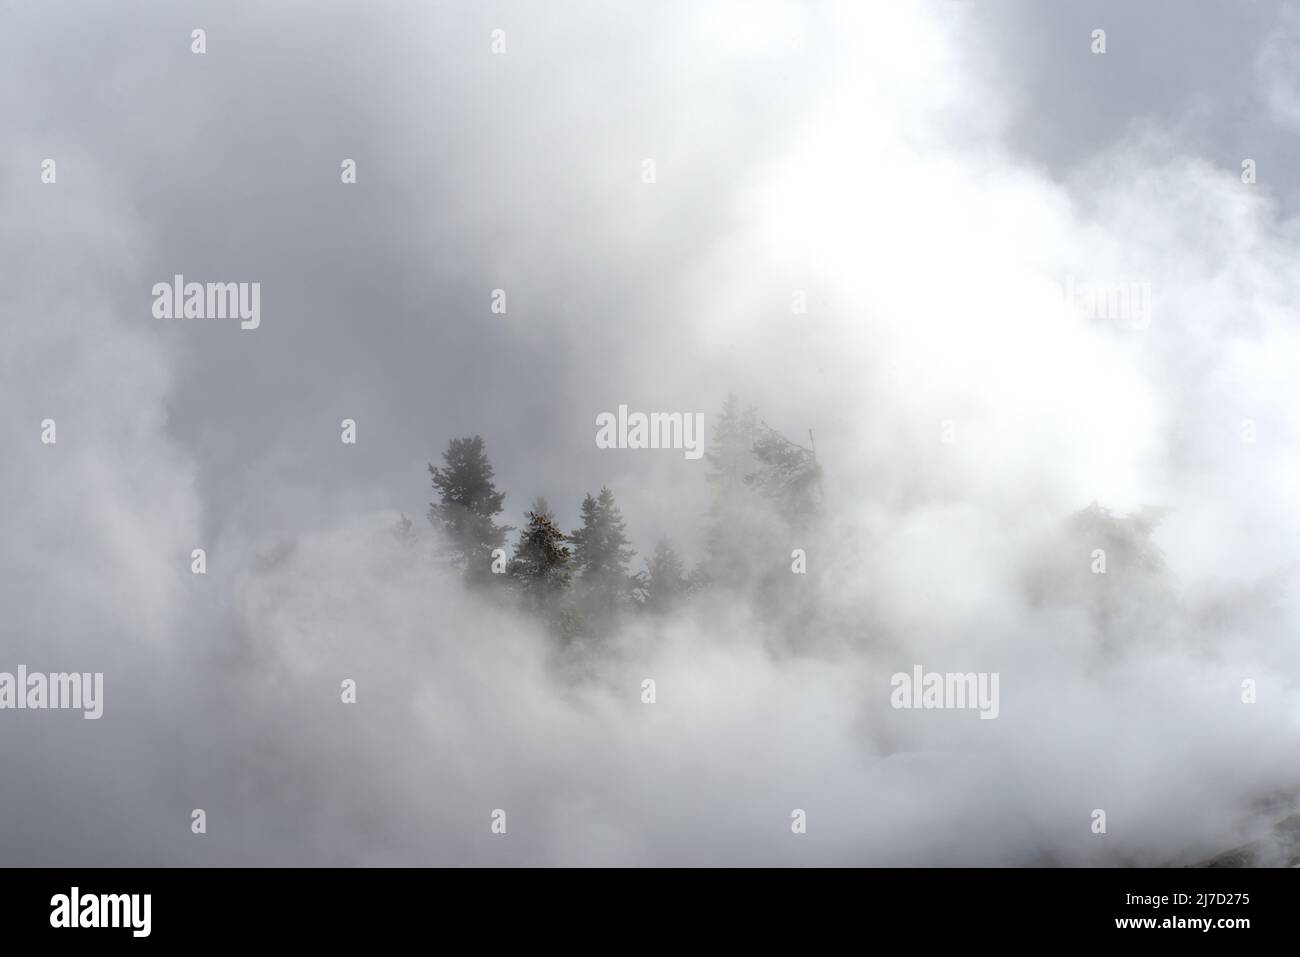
(467,507)
(542,566)
(735,508)
(404,531)
(601,556)
(1111,566)
(664,581)
(788,476)
(731,453)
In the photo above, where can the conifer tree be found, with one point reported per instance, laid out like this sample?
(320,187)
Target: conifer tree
(736,509)
(664,581)
(731,447)
(601,556)
(788,476)
(467,506)
(542,565)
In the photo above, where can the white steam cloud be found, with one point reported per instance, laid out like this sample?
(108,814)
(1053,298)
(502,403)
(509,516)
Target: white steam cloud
(932,257)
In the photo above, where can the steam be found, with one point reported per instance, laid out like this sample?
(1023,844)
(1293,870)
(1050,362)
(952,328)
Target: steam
(879,182)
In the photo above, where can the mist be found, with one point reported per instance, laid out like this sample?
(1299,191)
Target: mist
(889,169)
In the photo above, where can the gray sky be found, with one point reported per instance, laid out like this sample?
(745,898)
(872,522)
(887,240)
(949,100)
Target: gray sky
(924,174)
(519,172)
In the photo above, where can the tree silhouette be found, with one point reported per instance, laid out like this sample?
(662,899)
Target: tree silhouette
(734,506)
(664,582)
(542,566)
(787,474)
(601,555)
(468,503)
